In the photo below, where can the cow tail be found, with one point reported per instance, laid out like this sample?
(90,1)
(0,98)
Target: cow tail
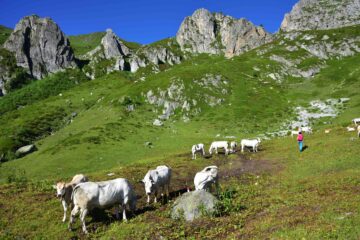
(73,192)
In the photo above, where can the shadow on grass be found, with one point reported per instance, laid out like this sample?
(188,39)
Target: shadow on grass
(304,148)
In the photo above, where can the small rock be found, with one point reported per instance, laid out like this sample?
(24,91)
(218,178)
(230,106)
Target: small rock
(148,144)
(25,150)
(158,123)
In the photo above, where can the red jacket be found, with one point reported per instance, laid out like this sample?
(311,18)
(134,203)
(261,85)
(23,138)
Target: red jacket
(300,137)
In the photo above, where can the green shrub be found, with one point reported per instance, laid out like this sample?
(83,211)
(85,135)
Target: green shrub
(39,90)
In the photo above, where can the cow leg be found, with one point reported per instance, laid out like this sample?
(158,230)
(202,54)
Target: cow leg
(124,212)
(65,209)
(117,212)
(72,216)
(167,191)
(155,195)
(242,148)
(148,199)
(82,217)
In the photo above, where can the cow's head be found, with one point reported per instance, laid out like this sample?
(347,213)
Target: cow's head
(149,185)
(60,189)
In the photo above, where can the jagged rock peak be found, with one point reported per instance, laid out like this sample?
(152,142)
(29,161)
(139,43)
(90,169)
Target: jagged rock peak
(113,46)
(321,14)
(40,46)
(205,32)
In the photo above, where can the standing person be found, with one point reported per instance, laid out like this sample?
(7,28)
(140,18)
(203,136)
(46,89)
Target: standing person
(300,139)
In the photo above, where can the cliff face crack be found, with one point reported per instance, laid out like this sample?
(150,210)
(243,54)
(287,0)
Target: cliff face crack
(27,48)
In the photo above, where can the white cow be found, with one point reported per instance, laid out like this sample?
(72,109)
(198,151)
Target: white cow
(356,121)
(233,146)
(306,129)
(89,195)
(254,143)
(64,191)
(219,144)
(204,179)
(293,132)
(157,180)
(358,130)
(197,148)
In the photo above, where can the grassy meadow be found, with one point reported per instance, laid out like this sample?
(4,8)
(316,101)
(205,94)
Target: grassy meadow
(84,126)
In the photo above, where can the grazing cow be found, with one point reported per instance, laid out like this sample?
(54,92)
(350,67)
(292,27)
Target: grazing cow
(197,148)
(90,195)
(306,129)
(156,179)
(356,121)
(293,132)
(233,146)
(64,191)
(250,143)
(204,179)
(219,144)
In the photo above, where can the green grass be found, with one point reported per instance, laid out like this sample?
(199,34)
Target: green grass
(84,43)
(294,198)
(4,33)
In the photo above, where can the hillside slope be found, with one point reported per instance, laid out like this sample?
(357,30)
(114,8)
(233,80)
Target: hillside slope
(122,123)
(251,95)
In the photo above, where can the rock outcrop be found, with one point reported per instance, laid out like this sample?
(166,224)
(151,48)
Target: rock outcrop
(320,15)
(160,55)
(204,32)
(40,46)
(122,58)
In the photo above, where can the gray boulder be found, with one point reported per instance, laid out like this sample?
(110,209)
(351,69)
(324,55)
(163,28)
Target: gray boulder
(40,46)
(316,15)
(25,150)
(192,205)
(158,123)
(204,32)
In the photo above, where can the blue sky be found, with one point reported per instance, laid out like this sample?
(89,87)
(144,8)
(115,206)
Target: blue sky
(142,21)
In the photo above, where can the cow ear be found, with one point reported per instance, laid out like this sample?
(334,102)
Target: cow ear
(54,187)
(141,181)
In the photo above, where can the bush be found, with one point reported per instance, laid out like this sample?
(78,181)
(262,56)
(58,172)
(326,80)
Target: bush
(39,90)
(226,203)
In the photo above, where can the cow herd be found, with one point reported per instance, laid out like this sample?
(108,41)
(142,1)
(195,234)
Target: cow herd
(225,146)
(83,196)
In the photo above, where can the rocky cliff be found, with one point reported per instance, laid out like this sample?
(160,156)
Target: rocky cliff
(321,15)
(40,46)
(204,32)
(114,55)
